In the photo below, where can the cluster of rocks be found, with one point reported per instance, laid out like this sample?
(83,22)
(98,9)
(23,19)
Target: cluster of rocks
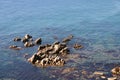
(48,54)
(27,40)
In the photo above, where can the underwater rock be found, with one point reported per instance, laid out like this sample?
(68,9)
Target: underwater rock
(68,70)
(67,39)
(27,36)
(28,44)
(15,47)
(77,46)
(38,41)
(17,39)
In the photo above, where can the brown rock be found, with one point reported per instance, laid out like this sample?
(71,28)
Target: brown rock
(34,58)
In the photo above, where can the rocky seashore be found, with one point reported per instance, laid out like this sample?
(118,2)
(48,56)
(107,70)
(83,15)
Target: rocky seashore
(57,54)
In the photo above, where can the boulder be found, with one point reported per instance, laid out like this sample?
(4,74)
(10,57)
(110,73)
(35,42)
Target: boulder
(34,58)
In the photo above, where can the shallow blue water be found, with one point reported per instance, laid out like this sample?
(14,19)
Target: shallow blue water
(94,23)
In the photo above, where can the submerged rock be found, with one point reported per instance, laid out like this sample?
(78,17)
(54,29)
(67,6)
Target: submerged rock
(67,39)
(77,46)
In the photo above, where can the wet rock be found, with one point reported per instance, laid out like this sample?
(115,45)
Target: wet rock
(41,47)
(28,44)
(27,36)
(15,47)
(116,71)
(38,41)
(17,39)
(67,39)
(77,46)
(24,40)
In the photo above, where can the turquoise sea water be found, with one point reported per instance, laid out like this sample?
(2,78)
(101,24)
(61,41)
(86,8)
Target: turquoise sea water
(94,23)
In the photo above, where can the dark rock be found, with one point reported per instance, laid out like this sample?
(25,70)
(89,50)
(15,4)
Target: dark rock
(17,39)
(38,41)
(41,47)
(27,36)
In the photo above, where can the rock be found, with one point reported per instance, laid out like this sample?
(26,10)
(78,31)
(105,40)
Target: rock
(34,58)
(67,39)
(17,39)
(44,62)
(112,78)
(28,44)
(77,46)
(41,47)
(27,36)
(68,70)
(116,71)
(38,41)
(24,40)
(15,47)
(98,73)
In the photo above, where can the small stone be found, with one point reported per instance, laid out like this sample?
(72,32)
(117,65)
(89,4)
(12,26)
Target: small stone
(27,36)
(17,39)
(103,77)
(38,41)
